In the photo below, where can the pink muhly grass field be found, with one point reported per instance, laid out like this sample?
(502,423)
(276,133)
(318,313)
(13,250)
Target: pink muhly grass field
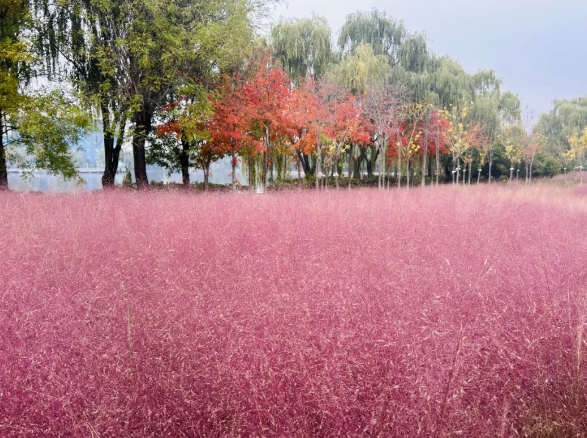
(433,312)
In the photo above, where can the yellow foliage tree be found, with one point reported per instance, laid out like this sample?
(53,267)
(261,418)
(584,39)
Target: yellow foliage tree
(577,150)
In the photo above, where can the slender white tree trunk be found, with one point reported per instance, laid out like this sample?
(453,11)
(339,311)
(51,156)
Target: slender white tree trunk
(233,164)
(424,169)
(490,165)
(399,168)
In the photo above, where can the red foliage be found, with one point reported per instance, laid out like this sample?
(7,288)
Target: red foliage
(321,108)
(230,125)
(246,109)
(433,131)
(436,127)
(301,113)
(268,93)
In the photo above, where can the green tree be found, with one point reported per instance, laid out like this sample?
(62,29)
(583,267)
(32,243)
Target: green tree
(158,54)
(46,127)
(385,35)
(360,70)
(37,129)
(368,77)
(14,57)
(183,138)
(131,56)
(85,33)
(567,118)
(303,47)
(512,138)
(578,149)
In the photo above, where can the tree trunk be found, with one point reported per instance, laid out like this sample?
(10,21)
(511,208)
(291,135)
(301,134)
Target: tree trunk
(470,171)
(384,159)
(382,164)
(407,172)
(380,173)
(268,162)
(299,171)
(305,160)
(111,151)
(142,120)
(278,165)
(110,167)
(252,174)
(206,174)
(371,162)
(438,154)
(318,167)
(399,168)
(424,156)
(351,164)
(233,165)
(3,165)
(184,159)
(490,165)
(357,164)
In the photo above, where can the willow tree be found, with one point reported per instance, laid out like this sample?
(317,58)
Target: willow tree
(450,83)
(36,127)
(303,47)
(80,39)
(485,113)
(361,69)
(383,33)
(13,59)
(406,52)
(566,118)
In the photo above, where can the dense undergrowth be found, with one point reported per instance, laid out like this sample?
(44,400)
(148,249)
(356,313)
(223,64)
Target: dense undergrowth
(437,312)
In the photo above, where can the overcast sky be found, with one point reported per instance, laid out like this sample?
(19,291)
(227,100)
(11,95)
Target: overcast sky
(538,47)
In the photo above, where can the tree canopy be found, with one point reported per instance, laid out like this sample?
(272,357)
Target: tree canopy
(169,77)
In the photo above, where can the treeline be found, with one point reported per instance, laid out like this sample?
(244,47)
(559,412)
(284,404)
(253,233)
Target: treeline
(189,82)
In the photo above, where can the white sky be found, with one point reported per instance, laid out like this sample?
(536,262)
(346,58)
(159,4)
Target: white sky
(539,48)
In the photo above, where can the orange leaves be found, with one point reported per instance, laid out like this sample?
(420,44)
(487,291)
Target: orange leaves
(249,109)
(326,109)
(259,109)
(172,127)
